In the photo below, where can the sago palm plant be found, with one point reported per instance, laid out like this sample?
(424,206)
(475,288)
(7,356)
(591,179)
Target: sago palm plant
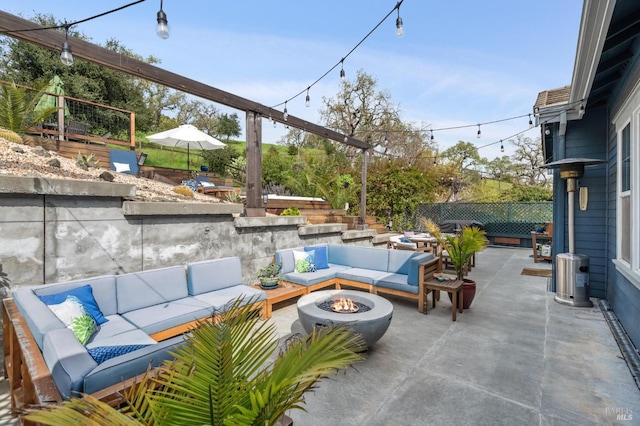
(18,109)
(227,373)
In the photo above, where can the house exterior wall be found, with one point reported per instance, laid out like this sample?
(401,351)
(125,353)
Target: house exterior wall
(584,138)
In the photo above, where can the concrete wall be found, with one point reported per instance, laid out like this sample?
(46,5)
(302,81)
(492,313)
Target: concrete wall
(55,230)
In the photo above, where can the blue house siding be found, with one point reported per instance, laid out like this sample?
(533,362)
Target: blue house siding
(586,138)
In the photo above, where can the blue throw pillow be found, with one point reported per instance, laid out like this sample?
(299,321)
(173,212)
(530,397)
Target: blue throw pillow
(102,353)
(405,240)
(85,294)
(321,259)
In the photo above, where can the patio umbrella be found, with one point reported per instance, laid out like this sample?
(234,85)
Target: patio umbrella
(48,101)
(186,135)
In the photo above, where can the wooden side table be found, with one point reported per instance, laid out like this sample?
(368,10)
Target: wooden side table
(534,236)
(284,291)
(451,286)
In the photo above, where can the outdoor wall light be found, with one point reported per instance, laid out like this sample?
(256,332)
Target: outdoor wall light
(142,158)
(65,56)
(265,199)
(162,29)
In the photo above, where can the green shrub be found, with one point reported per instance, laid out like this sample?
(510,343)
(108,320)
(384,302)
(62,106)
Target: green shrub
(291,211)
(183,190)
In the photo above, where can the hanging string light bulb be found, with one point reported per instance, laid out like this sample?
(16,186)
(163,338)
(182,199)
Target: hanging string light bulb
(479,132)
(432,136)
(162,29)
(386,139)
(285,113)
(399,29)
(530,122)
(342,74)
(65,55)
(501,146)
(307,100)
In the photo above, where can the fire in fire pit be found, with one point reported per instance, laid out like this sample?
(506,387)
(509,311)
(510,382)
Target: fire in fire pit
(343,306)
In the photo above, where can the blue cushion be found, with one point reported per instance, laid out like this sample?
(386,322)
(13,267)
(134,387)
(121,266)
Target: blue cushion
(85,294)
(124,157)
(321,259)
(215,274)
(191,184)
(405,240)
(102,353)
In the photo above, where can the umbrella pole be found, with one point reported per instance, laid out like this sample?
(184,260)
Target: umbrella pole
(188,169)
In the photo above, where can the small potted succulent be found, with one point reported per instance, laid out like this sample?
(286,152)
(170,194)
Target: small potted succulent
(269,276)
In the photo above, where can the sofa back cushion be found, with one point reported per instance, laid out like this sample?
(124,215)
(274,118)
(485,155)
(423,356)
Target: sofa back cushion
(103,289)
(216,274)
(359,257)
(413,277)
(285,258)
(399,261)
(147,288)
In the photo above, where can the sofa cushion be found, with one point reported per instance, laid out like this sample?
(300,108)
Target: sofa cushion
(104,349)
(117,325)
(67,360)
(396,282)
(413,278)
(103,289)
(75,318)
(359,257)
(366,276)
(399,261)
(39,319)
(101,354)
(163,316)
(210,275)
(84,294)
(320,259)
(222,299)
(123,367)
(312,278)
(285,259)
(152,287)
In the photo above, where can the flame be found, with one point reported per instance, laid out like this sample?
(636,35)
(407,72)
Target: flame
(344,305)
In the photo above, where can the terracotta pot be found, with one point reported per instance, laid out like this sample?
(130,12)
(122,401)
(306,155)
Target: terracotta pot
(468,292)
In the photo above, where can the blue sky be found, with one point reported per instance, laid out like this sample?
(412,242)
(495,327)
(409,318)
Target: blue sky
(459,62)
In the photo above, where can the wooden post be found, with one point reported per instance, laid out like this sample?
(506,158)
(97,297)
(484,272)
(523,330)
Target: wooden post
(363,192)
(60,117)
(132,133)
(254,165)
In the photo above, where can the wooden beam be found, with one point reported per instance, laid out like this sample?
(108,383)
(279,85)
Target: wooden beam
(15,27)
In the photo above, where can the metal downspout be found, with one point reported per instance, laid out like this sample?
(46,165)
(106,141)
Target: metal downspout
(629,352)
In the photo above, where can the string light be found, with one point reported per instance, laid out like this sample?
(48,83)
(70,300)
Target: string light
(285,114)
(342,74)
(386,140)
(501,146)
(65,55)
(162,29)
(432,135)
(530,122)
(479,132)
(399,29)
(307,100)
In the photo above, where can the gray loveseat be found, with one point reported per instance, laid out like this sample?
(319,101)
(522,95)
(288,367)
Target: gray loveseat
(141,316)
(376,270)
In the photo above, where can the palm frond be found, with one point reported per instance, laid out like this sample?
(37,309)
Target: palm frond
(80,411)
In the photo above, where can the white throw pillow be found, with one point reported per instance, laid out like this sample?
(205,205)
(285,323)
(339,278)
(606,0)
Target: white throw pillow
(121,167)
(304,261)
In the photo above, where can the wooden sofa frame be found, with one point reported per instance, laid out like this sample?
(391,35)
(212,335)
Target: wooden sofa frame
(425,272)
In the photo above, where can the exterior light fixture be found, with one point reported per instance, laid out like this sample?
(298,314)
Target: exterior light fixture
(142,158)
(399,29)
(342,74)
(65,55)
(162,29)
(479,132)
(530,121)
(285,114)
(501,146)
(432,135)
(265,199)
(307,100)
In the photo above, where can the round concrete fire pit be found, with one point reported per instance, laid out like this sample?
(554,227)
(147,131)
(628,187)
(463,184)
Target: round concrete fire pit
(371,321)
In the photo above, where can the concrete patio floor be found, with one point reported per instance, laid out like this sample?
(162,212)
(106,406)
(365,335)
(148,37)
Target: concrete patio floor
(515,357)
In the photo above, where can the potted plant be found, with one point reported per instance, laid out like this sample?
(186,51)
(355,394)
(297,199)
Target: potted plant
(461,247)
(269,276)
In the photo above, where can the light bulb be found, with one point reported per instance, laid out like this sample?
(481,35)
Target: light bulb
(530,121)
(479,132)
(307,100)
(274,124)
(342,74)
(285,114)
(346,138)
(162,29)
(399,29)
(501,147)
(65,56)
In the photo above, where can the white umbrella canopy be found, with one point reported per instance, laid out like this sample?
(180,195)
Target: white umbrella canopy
(186,135)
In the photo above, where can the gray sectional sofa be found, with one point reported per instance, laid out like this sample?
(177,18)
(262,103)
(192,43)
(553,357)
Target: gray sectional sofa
(143,316)
(376,270)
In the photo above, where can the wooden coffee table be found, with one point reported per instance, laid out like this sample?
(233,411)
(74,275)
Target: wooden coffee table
(284,291)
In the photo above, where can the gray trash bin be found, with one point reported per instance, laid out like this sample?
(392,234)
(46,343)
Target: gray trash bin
(572,280)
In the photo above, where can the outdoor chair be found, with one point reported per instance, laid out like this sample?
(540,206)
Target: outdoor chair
(205,186)
(76,128)
(123,161)
(395,242)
